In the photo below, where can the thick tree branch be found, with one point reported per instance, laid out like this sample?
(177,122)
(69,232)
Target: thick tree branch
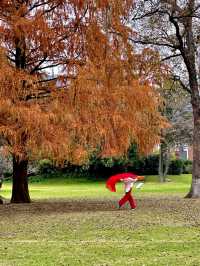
(178,35)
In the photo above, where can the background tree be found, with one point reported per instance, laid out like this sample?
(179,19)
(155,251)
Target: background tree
(172,27)
(96,99)
(178,111)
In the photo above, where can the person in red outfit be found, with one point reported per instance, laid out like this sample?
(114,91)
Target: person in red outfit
(129,179)
(128,182)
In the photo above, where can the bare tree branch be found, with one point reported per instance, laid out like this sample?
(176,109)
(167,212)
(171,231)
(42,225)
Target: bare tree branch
(150,42)
(170,57)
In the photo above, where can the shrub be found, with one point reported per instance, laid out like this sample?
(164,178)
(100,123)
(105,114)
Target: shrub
(187,167)
(176,167)
(146,165)
(35,179)
(7,175)
(151,165)
(46,167)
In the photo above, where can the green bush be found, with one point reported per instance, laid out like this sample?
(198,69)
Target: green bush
(102,168)
(176,167)
(7,175)
(151,165)
(145,165)
(35,179)
(187,167)
(46,167)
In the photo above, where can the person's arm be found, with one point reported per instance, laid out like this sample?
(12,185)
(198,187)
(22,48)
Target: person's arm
(140,178)
(130,179)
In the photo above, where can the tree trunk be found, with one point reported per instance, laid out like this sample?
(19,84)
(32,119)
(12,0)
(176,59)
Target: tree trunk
(190,59)
(163,162)
(167,155)
(20,192)
(195,186)
(161,165)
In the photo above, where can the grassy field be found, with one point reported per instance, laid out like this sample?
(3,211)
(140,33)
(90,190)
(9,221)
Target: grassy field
(65,187)
(76,222)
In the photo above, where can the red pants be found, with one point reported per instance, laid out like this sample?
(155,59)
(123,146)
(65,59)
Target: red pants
(128,197)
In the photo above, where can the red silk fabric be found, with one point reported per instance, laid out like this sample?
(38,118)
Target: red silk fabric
(111,182)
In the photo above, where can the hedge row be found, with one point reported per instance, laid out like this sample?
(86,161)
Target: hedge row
(106,167)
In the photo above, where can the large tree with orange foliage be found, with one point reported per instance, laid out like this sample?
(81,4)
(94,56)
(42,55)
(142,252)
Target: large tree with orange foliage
(96,99)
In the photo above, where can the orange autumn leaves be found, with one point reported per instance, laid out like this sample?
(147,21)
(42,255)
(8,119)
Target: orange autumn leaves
(101,102)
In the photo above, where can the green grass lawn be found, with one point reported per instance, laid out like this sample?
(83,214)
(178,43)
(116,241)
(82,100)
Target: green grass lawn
(76,222)
(66,187)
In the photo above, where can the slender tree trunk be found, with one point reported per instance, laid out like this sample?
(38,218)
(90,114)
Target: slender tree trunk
(195,186)
(166,163)
(163,162)
(161,165)
(20,192)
